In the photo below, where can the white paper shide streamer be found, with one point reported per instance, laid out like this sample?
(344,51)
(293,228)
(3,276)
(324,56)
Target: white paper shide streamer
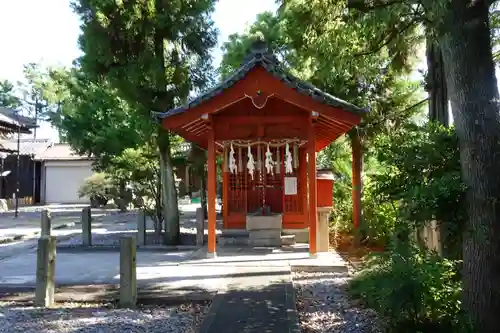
(232,161)
(250,163)
(269,161)
(288,159)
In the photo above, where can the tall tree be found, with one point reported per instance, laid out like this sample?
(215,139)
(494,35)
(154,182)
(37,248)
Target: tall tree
(462,29)
(154,52)
(267,27)
(474,101)
(33,90)
(356,59)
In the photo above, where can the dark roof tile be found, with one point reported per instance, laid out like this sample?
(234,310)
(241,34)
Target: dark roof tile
(260,56)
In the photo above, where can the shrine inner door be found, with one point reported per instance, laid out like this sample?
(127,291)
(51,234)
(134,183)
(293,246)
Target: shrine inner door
(246,195)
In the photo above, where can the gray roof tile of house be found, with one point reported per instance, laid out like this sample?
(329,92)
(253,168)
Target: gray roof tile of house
(60,152)
(27,146)
(260,56)
(11,116)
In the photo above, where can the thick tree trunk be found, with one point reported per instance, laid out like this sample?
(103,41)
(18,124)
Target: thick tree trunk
(472,88)
(158,222)
(169,192)
(357,183)
(439,112)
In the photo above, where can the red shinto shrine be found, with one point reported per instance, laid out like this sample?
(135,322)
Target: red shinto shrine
(269,126)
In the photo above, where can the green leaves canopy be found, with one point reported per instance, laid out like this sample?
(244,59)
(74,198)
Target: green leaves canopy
(8,99)
(95,120)
(154,52)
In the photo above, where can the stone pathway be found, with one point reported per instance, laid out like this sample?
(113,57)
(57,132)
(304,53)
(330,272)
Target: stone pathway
(259,300)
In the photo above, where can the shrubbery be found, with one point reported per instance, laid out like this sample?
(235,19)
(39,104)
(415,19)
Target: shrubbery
(411,178)
(413,289)
(96,187)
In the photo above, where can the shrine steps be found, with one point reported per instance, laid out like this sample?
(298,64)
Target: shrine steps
(266,237)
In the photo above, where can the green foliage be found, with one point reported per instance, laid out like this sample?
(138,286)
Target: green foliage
(96,187)
(95,120)
(379,215)
(316,41)
(37,84)
(139,169)
(154,52)
(423,176)
(337,157)
(267,27)
(417,180)
(8,98)
(413,289)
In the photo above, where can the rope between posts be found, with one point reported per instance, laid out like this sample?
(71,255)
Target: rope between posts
(274,145)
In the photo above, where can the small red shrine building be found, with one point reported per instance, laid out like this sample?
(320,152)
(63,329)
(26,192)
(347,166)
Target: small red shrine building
(268,125)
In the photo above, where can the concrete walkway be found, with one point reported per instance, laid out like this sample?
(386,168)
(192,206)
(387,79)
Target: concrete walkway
(260,299)
(176,269)
(260,296)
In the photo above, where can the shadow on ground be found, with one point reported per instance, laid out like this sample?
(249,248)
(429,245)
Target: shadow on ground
(269,309)
(91,318)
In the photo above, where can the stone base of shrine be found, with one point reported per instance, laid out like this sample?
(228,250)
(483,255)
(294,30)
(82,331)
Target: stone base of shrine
(264,222)
(300,235)
(323,238)
(264,230)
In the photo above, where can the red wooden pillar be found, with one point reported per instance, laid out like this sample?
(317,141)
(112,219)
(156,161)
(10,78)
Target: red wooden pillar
(212,174)
(313,216)
(225,189)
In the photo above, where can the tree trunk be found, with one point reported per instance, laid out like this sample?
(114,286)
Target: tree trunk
(472,87)
(357,183)
(199,159)
(158,208)
(169,191)
(436,84)
(203,191)
(438,112)
(122,200)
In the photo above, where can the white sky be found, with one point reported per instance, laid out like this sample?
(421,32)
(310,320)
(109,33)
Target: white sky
(47,31)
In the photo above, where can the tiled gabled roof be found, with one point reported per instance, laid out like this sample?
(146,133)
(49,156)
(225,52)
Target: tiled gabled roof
(60,152)
(260,56)
(27,146)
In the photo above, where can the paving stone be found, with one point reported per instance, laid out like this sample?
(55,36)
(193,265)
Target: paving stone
(268,309)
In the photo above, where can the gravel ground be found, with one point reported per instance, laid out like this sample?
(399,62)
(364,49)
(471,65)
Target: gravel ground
(324,307)
(93,318)
(125,225)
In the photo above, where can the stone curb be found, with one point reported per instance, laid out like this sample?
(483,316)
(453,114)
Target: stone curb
(291,303)
(32,235)
(116,248)
(105,292)
(295,268)
(211,313)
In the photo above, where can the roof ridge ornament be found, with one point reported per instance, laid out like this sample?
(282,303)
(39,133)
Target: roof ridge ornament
(258,50)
